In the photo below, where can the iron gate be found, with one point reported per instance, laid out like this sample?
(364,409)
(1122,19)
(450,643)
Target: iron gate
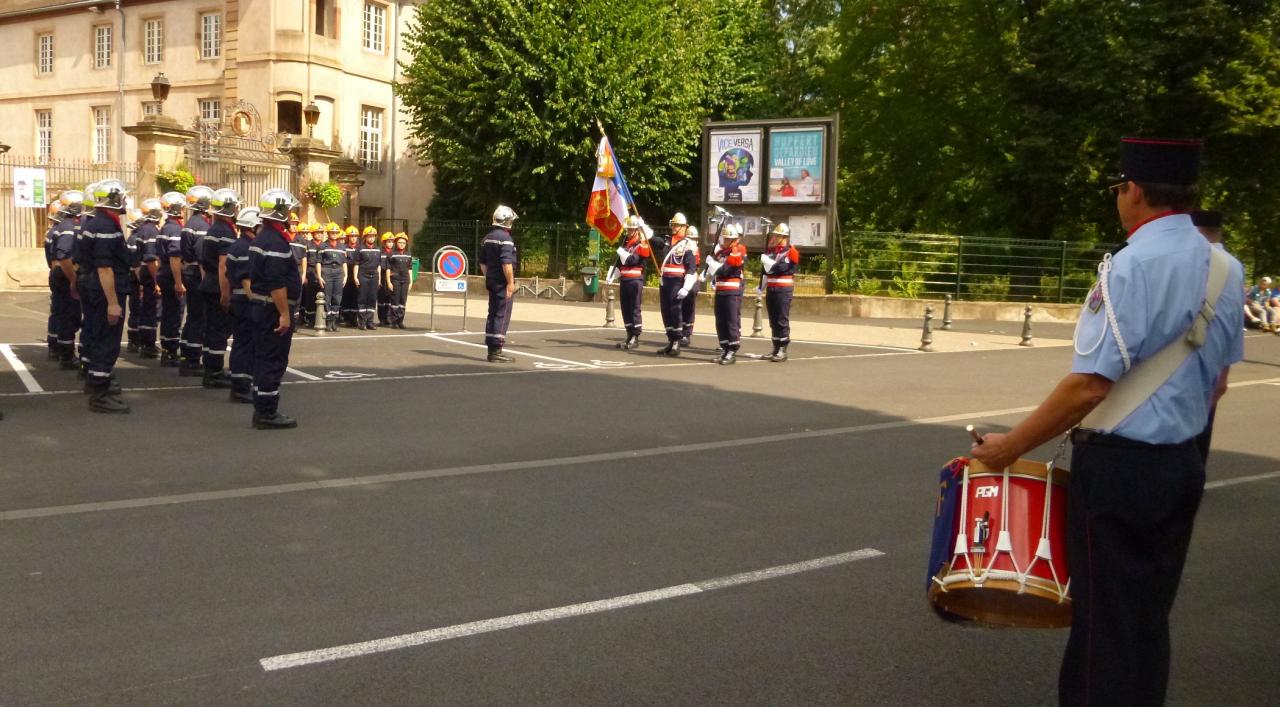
(239,154)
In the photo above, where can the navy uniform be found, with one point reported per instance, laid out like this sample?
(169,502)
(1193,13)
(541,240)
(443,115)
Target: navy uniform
(193,233)
(1136,484)
(311,278)
(679,277)
(50,235)
(333,270)
(351,290)
(399,265)
(779,263)
(497,254)
(729,258)
(79,259)
(169,277)
(106,256)
(63,278)
(147,238)
(240,360)
(368,268)
(134,299)
(215,289)
(275,286)
(384,281)
(632,256)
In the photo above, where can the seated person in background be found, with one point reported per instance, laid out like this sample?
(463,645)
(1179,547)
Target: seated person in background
(1259,309)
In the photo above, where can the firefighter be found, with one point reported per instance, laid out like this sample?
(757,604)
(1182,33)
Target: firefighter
(215,288)
(333,275)
(679,276)
(106,284)
(241,359)
(351,290)
(169,277)
(779,263)
(399,263)
(632,255)
(63,278)
(134,300)
(275,285)
(368,268)
(193,233)
(311,275)
(384,280)
(147,239)
(498,265)
(50,236)
(728,259)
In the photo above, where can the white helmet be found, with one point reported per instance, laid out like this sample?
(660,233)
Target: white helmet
(633,223)
(276,205)
(173,202)
(729,231)
(110,194)
(249,217)
(152,210)
(504,216)
(71,202)
(225,202)
(679,220)
(692,234)
(781,229)
(199,196)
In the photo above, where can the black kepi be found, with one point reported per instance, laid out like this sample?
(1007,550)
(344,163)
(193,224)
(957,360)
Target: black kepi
(1160,160)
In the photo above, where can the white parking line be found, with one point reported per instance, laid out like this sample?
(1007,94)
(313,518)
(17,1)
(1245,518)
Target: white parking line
(1242,480)
(504,623)
(300,374)
(21,369)
(513,352)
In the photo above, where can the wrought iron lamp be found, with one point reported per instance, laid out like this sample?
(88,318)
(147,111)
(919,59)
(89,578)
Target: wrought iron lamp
(160,91)
(312,115)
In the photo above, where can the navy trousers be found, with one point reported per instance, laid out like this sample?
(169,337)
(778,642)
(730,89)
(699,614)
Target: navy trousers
(728,308)
(170,316)
(631,292)
(270,357)
(399,298)
(242,347)
(193,329)
(102,345)
(333,291)
(777,300)
(495,325)
(368,299)
(672,308)
(65,321)
(688,308)
(217,327)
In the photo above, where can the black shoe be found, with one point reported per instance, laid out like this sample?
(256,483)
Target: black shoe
(102,400)
(132,348)
(168,360)
(113,385)
(274,421)
(190,370)
(684,341)
(149,352)
(241,396)
(779,355)
(217,380)
(68,364)
(728,359)
(82,372)
(496,356)
(53,353)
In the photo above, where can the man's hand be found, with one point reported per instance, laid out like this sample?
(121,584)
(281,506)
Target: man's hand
(995,451)
(113,314)
(284,325)
(224,301)
(179,289)
(322,285)
(511,290)
(391,287)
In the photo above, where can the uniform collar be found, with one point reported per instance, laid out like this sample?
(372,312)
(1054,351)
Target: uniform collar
(1152,219)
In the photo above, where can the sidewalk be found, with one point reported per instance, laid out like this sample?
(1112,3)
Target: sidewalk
(592,314)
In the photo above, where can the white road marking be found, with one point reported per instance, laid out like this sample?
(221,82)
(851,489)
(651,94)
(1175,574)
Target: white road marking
(21,369)
(513,352)
(303,375)
(1241,480)
(513,332)
(1262,381)
(504,623)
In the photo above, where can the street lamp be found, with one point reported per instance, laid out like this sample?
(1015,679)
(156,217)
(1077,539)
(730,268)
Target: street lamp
(312,115)
(160,91)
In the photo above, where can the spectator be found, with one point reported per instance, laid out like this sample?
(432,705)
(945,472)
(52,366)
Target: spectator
(1261,307)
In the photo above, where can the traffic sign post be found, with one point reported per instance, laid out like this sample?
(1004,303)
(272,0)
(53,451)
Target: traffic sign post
(449,274)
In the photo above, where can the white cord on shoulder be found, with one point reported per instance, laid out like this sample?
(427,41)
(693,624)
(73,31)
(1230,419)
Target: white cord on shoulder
(1104,272)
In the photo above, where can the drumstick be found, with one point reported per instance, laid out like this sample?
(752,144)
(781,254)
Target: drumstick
(977,438)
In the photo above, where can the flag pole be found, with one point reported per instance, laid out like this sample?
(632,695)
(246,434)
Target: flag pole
(631,205)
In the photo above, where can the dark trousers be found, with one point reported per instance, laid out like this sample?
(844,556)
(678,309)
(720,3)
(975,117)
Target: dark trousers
(688,308)
(495,325)
(51,332)
(170,316)
(270,357)
(631,291)
(399,298)
(672,308)
(66,316)
(368,299)
(333,291)
(384,303)
(1204,439)
(777,300)
(1128,527)
(101,339)
(349,299)
(242,347)
(148,313)
(87,329)
(192,340)
(133,308)
(217,327)
(309,289)
(728,308)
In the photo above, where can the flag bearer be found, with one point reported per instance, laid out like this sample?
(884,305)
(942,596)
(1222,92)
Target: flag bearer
(632,255)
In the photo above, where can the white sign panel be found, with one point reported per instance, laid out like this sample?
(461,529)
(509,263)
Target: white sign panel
(29,187)
(808,231)
(443,285)
(735,167)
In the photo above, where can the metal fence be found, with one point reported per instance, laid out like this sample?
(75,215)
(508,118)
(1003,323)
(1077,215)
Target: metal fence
(24,227)
(239,164)
(872,263)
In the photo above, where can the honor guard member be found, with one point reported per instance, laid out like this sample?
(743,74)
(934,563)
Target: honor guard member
(333,273)
(149,298)
(368,265)
(779,263)
(727,259)
(632,255)
(689,306)
(311,275)
(134,300)
(351,290)
(1136,473)
(240,361)
(193,232)
(106,286)
(215,288)
(384,280)
(498,265)
(169,277)
(62,279)
(679,277)
(275,285)
(50,235)
(399,263)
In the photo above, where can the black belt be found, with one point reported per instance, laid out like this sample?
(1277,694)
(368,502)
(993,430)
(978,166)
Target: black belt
(263,299)
(1104,439)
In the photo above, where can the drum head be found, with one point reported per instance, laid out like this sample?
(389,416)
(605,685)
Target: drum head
(998,602)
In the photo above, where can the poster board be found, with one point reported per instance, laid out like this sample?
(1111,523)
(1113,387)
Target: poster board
(29,187)
(736,161)
(796,157)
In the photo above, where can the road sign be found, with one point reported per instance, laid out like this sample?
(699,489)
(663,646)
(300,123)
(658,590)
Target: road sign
(449,274)
(443,285)
(451,263)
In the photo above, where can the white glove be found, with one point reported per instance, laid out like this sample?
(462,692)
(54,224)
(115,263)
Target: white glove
(646,233)
(713,265)
(611,276)
(684,292)
(623,254)
(767,262)
(688,282)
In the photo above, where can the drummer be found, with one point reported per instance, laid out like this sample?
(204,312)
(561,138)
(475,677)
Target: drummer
(1136,486)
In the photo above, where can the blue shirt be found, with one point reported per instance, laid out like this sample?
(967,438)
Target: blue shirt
(271,265)
(1157,285)
(104,243)
(1259,295)
(497,249)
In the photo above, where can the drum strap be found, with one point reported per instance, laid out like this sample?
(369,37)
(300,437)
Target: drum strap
(1146,377)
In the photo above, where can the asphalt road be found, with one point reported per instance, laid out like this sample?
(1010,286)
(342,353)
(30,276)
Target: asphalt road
(168,556)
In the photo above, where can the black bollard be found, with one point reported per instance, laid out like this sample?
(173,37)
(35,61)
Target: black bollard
(757,325)
(946,313)
(926,339)
(608,308)
(1026,328)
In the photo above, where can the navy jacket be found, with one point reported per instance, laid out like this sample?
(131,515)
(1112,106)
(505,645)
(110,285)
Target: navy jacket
(271,264)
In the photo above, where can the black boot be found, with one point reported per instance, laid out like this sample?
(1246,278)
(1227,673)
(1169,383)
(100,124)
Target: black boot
(68,362)
(273,421)
(496,355)
(241,392)
(729,358)
(218,380)
(190,369)
(101,399)
(149,351)
(780,354)
(684,341)
(133,344)
(168,359)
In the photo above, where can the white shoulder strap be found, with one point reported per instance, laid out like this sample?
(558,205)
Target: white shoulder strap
(1145,378)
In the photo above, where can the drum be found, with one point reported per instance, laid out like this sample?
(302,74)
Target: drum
(1008,554)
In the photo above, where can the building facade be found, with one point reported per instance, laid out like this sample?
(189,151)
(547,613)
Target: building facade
(77,72)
